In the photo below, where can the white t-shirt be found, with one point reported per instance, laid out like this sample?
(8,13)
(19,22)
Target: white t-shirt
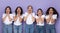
(40,24)
(7,22)
(29,18)
(54,17)
(17,22)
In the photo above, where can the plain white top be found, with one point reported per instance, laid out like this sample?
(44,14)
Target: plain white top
(29,18)
(17,22)
(40,24)
(7,22)
(54,17)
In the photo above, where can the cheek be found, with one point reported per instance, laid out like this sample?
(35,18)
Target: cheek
(7,10)
(50,12)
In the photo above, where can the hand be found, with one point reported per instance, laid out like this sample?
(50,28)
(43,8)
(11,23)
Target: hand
(20,19)
(15,18)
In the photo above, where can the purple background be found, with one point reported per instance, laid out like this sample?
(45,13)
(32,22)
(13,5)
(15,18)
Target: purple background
(44,4)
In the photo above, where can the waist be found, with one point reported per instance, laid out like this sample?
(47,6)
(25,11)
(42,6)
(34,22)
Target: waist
(17,23)
(7,23)
(50,23)
(40,24)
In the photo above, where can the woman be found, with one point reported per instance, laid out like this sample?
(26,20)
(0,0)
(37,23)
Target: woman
(18,20)
(51,17)
(29,18)
(40,21)
(7,20)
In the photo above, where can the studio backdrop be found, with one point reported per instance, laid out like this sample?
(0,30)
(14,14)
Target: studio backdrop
(43,4)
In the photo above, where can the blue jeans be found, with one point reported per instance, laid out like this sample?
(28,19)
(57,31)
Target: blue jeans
(39,29)
(50,28)
(7,28)
(17,29)
(23,27)
(29,28)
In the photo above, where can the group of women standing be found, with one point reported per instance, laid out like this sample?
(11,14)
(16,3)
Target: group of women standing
(44,23)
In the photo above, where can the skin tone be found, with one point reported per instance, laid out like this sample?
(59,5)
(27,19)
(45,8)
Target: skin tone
(18,15)
(29,12)
(39,15)
(50,16)
(7,15)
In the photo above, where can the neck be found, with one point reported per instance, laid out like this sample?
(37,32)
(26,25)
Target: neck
(7,13)
(39,15)
(18,14)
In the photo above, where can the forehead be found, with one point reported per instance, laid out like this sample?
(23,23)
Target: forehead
(7,8)
(51,9)
(29,7)
(39,11)
(18,8)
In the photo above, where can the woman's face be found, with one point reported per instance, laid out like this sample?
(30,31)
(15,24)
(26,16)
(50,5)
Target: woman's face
(51,11)
(8,10)
(29,9)
(18,11)
(39,12)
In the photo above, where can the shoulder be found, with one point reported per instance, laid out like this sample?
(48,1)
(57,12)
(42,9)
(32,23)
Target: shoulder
(54,16)
(22,16)
(46,16)
(11,14)
(43,16)
(4,14)
(36,17)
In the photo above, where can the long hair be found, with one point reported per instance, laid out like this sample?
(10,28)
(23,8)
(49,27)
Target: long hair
(54,11)
(9,8)
(21,10)
(38,11)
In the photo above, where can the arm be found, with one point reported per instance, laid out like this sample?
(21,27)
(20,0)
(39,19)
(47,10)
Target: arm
(25,18)
(48,20)
(42,19)
(52,20)
(4,18)
(33,19)
(15,18)
(37,20)
(20,19)
(10,19)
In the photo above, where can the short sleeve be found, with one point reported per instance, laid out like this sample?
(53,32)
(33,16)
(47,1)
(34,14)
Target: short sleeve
(43,16)
(22,16)
(46,17)
(36,17)
(33,14)
(3,15)
(25,14)
(11,15)
(54,16)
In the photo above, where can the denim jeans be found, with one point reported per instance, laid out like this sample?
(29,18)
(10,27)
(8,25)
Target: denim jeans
(39,29)
(50,28)
(29,28)
(7,28)
(17,29)
(23,27)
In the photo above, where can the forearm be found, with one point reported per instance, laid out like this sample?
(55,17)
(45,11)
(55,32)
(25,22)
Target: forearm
(47,20)
(33,19)
(25,18)
(52,20)
(20,19)
(4,18)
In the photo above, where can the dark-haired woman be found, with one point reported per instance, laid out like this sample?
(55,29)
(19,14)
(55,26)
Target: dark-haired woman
(40,21)
(51,17)
(7,20)
(18,20)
